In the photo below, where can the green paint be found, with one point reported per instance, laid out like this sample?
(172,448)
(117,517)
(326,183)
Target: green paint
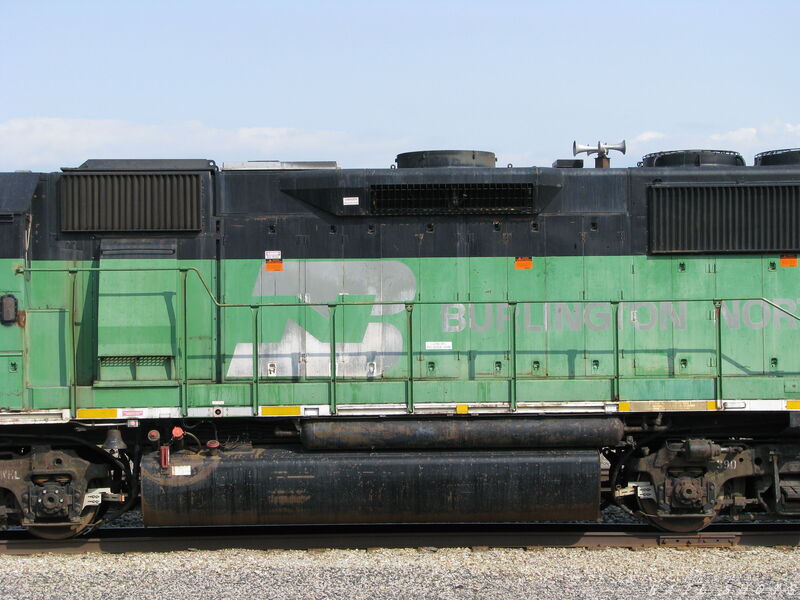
(119,335)
(11,381)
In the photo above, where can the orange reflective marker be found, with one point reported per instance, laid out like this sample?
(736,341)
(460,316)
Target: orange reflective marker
(273,264)
(789,260)
(523,262)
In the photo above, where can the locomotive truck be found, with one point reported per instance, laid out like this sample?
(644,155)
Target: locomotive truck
(442,341)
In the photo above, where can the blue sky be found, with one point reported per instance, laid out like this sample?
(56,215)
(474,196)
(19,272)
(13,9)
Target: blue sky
(359,82)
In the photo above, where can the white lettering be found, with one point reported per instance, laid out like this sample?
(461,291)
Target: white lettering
(573,317)
(652,311)
(759,323)
(453,320)
(731,314)
(604,317)
(487,317)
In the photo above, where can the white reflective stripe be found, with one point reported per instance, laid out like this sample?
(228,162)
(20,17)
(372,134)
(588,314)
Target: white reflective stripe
(645,406)
(32,418)
(220,411)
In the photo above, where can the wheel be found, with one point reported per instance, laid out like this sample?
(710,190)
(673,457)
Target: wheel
(677,523)
(681,524)
(63,532)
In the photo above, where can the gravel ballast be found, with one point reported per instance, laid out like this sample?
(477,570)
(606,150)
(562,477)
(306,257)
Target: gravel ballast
(562,573)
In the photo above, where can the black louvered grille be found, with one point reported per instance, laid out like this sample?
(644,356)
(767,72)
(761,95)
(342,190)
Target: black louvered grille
(451,198)
(131,202)
(725,218)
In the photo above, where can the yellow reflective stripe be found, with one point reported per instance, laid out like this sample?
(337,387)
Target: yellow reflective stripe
(280,411)
(711,405)
(624,407)
(793,404)
(462,409)
(97,413)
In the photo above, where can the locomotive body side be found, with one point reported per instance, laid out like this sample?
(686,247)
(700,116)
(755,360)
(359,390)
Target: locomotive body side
(418,333)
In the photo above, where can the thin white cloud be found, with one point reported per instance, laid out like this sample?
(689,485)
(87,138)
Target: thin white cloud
(50,143)
(744,135)
(791,128)
(648,136)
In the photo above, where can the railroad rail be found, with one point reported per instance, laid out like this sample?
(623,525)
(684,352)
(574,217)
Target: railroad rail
(483,537)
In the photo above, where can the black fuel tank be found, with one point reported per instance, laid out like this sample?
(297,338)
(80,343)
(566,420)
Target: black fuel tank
(292,486)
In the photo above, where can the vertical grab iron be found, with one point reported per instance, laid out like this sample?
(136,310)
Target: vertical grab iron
(73,388)
(615,332)
(410,359)
(513,361)
(718,387)
(184,347)
(332,384)
(254,382)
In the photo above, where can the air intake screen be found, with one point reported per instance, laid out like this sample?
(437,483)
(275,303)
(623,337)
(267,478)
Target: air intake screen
(724,218)
(130,202)
(451,198)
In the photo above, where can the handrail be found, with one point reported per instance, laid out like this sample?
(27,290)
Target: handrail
(219,304)
(183,366)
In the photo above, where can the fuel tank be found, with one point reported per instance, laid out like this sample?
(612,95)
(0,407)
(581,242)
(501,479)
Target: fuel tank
(289,485)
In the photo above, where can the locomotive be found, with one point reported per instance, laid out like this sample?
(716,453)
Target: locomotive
(445,340)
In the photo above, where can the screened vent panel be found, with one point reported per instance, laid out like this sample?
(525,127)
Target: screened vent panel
(131,202)
(724,218)
(452,198)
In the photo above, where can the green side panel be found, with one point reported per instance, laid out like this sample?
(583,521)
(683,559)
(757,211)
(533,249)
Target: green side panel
(141,313)
(125,397)
(49,355)
(560,390)
(761,387)
(86,302)
(221,394)
(279,394)
(744,345)
(740,276)
(444,281)
(488,342)
(11,381)
(11,342)
(459,352)
(201,322)
(141,319)
(49,398)
(384,392)
(781,354)
(678,388)
(564,337)
(460,391)
(137,311)
(606,279)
